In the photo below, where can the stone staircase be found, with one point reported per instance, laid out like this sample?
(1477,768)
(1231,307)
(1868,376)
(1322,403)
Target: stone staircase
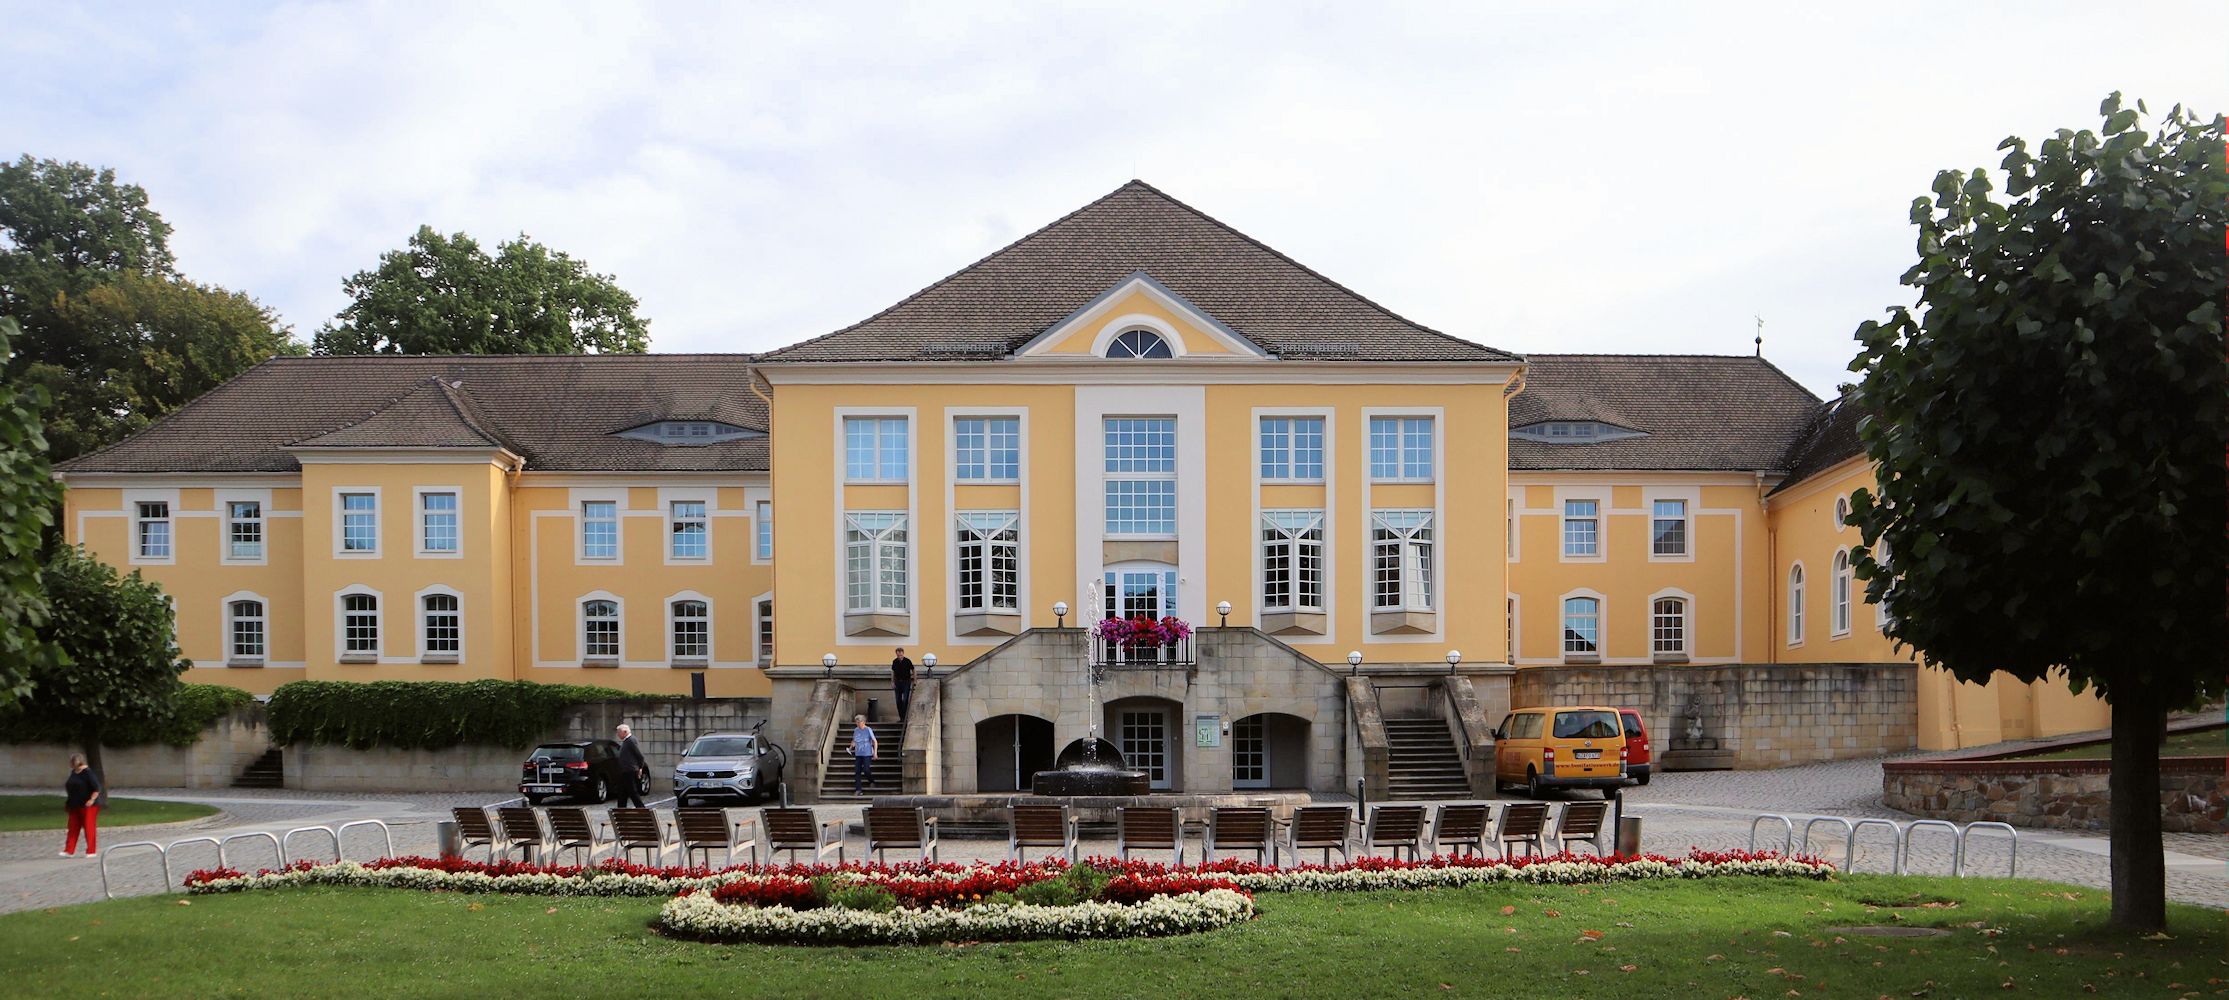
(267,771)
(1422,762)
(887,771)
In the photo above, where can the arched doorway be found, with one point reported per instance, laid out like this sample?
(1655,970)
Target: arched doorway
(1010,748)
(1146,730)
(1269,750)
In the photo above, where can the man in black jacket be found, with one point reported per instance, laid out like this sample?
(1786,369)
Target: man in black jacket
(901,682)
(635,766)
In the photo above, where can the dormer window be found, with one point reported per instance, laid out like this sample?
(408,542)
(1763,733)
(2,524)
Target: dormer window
(1139,344)
(1573,432)
(690,432)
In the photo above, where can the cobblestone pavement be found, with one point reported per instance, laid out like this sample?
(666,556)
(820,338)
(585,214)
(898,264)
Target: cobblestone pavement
(1709,809)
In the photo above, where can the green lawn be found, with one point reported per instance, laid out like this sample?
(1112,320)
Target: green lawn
(44,812)
(2191,743)
(1690,940)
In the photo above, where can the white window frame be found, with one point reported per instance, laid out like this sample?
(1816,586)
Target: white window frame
(419,513)
(1563,626)
(232,655)
(762,531)
(878,462)
(426,654)
(968,535)
(618,522)
(619,628)
(762,630)
(340,522)
(674,520)
(341,651)
(1686,521)
(1799,585)
(228,524)
(1601,522)
(988,464)
(1841,513)
(1403,472)
(1510,624)
(168,519)
(1295,545)
(1839,594)
(1686,625)
(879,548)
(673,621)
(1288,470)
(1108,478)
(1415,558)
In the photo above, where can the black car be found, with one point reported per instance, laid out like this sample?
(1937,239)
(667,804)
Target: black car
(580,769)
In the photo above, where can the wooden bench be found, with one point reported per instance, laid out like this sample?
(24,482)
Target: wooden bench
(522,831)
(474,830)
(638,829)
(570,830)
(708,830)
(901,828)
(1522,823)
(1581,822)
(1241,828)
(1461,826)
(794,829)
(1400,828)
(1324,828)
(1148,828)
(1040,825)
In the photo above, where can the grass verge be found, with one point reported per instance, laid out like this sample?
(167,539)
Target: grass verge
(2189,743)
(44,812)
(1690,939)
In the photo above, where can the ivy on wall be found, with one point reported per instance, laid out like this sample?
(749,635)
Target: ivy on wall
(196,707)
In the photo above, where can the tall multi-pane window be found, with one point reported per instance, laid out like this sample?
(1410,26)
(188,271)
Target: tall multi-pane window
(1292,448)
(875,449)
(989,561)
(444,625)
(359,522)
(599,630)
(1668,528)
(762,524)
(691,531)
(1509,630)
(154,529)
(692,630)
(1582,626)
(987,448)
(243,530)
(599,529)
(437,522)
(1795,604)
(1668,627)
(875,575)
(360,625)
(1140,468)
(766,633)
(1401,560)
(1292,560)
(248,631)
(1841,596)
(1400,447)
(1582,528)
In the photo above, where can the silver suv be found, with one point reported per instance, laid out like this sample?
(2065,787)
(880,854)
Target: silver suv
(740,765)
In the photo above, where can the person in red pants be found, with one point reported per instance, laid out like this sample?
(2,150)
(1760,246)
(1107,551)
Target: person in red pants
(84,803)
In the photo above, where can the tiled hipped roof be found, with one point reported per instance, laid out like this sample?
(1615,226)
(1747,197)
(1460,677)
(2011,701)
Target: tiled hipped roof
(1696,412)
(1828,439)
(995,305)
(559,412)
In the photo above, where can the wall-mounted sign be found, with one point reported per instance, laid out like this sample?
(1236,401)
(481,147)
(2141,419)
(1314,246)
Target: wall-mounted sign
(1207,731)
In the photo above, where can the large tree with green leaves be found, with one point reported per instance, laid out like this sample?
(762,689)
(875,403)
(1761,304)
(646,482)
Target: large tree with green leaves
(27,501)
(444,295)
(2050,425)
(111,330)
(122,664)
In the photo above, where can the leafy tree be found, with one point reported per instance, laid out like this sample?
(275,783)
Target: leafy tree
(2050,427)
(444,295)
(123,665)
(111,331)
(28,497)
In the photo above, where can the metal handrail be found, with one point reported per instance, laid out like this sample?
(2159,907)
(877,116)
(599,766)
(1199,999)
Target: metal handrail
(1896,845)
(1957,846)
(1787,843)
(111,853)
(2010,872)
(276,848)
(384,831)
(1815,821)
(176,844)
(288,838)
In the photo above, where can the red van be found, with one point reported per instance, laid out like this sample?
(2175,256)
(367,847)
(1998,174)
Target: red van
(1637,765)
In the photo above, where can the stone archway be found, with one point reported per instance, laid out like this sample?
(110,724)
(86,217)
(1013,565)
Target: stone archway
(1010,748)
(1270,750)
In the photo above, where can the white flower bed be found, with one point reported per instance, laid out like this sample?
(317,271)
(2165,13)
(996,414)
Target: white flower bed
(350,873)
(1538,873)
(699,915)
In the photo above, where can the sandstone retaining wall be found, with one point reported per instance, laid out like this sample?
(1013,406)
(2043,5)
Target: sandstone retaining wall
(1762,715)
(226,748)
(2061,794)
(664,727)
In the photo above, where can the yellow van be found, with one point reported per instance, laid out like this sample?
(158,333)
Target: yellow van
(1579,746)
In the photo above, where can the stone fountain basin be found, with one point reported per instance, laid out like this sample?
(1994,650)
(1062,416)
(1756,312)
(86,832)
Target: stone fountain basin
(1089,781)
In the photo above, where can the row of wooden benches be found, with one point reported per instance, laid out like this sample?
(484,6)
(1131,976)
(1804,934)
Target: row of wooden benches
(1389,830)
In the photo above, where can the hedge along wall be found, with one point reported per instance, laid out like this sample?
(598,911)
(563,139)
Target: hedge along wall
(218,750)
(425,715)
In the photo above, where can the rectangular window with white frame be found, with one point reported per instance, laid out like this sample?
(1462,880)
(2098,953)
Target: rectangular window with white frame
(359,628)
(243,531)
(151,531)
(1582,529)
(359,524)
(877,580)
(1140,467)
(762,525)
(1582,628)
(766,633)
(1292,561)
(1668,528)
(691,530)
(1401,449)
(1292,449)
(986,449)
(599,529)
(989,562)
(1401,561)
(438,524)
(599,632)
(1668,626)
(875,449)
(248,633)
(692,631)
(442,621)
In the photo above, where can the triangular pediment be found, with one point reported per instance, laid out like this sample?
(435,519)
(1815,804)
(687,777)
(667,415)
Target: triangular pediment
(1140,303)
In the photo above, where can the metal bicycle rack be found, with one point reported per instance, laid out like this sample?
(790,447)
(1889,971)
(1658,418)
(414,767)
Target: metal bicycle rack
(111,853)
(168,881)
(384,831)
(276,850)
(2012,869)
(1787,841)
(286,842)
(1957,844)
(1815,821)
(1896,845)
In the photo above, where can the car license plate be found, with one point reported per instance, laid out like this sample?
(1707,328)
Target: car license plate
(1588,754)
(542,788)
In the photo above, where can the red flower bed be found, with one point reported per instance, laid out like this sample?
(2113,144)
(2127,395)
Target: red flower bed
(780,890)
(1130,889)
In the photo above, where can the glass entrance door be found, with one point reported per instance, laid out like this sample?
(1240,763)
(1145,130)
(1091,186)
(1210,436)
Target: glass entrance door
(1142,734)
(1249,754)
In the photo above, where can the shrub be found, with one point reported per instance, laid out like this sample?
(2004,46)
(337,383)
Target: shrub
(196,706)
(425,715)
(1050,892)
(871,898)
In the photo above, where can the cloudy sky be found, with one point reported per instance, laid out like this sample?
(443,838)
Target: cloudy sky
(1569,177)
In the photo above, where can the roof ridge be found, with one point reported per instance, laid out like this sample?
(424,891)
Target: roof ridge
(384,406)
(467,405)
(206,395)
